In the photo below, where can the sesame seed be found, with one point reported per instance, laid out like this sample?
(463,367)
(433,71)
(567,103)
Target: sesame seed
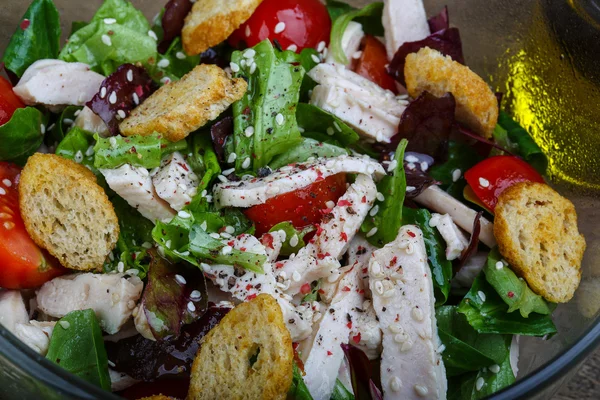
(372,232)
(330,131)
(184,214)
(102,92)
(90,151)
(228,171)
(250,53)
(180,279)
(232,157)
(456,174)
(424,166)
(395,384)
(120,266)
(226,250)
(246,163)
(330,204)
(166,80)
(195,294)
(411,159)
(495,369)
(43,128)
(292,47)
(136,98)
(215,235)
(380,196)
(180,55)
(234,67)
(152,35)
(68,121)
(374,211)
(111,364)
(122,114)
(147,245)
(130,75)
(78,157)
(106,40)
(421,390)
(253,68)
(191,307)
(315,58)
(109,21)
(321,46)
(392,166)
(296,276)
(484,182)
(294,241)
(248,31)
(279,119)
(7,182)
(132,272)
(249,131)
(8,225)
(113,142)
(441,348)
(222,178)
(65,324)
(280,27)
(410,189)
(499,265)
(168,244)
(112,99)
(164,63)
(481,295)
(479,384)
(357,55)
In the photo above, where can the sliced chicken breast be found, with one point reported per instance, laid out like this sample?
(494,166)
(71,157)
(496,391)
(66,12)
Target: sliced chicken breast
(36,335)
(366,333)
(456,241)
(12,309)
(175,182)
(91,122)
(351,40)
(404,21)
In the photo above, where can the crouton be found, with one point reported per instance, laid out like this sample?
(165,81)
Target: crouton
(179,108)
(212,21)
(66,212)
(248,355)
(431,71)
(536,230)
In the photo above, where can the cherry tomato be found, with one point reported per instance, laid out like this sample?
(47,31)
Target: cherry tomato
(9,101)
(372,64)
(300,23)
(23,265)
(492,176)
(302,207)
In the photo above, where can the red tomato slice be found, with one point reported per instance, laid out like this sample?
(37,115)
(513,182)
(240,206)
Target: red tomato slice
(372,64)
(302,208)
(9,101)
(300,23)
(23,265)
(492,176)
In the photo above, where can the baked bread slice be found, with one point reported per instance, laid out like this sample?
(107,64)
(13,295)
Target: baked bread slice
(536,230)
(212,21)
(248,355)
(179,108)
(431,71)
(66,212)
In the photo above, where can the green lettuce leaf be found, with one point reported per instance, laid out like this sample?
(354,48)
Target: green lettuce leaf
(486,312)
(306,149)
(388,220)
(205,164)
(174,64)
(77,346)
(461,157)
(340,392)
(525,145)
(298,390)
(287,248)
(22,135)
(40,40)
(314,119)
(78,145)
(492,380)
(268,107)
(58,129)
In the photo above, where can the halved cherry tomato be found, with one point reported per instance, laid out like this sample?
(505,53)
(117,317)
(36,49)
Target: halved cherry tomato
(300,23)
(9,101)
(372,63)
(302,207)
(492,176)
(23,265)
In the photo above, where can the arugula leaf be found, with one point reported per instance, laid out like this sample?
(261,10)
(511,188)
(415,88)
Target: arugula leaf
(203,246)
(268,109)
(307,60)
(77,346)
(388,220)
(39,40)
(298,390)
(514,291)
(206,165)
(314,119)
(314,293)
(337,8)
(526,146)
(466,387)
(22,135)
(370,18)
(139,151)
(104,47)
(441,268)
(340,392)
(287,248)
(492,316)
(466,350)
(306,149)
(77,146)
(174,240)
(57,131)
(461,157)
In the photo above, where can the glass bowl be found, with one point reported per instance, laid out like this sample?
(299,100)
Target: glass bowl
(543,55)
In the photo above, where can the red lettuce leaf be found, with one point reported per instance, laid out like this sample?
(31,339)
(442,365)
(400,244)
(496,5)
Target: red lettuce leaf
(120,93)
(487,144)
(417,181)
(148,360)
(440,21)
(363,383)
(219,133)
(172,21)
(473,243)
(446,41)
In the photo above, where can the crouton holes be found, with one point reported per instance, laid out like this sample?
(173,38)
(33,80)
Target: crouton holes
(254,355)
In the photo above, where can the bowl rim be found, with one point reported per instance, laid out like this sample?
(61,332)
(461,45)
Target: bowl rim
(71,386)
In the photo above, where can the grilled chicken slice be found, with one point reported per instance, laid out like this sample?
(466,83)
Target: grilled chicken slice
(175,182)
(404,21)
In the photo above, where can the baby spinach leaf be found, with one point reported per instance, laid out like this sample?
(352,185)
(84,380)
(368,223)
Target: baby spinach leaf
(441,268)
(526,146)
(58,129)
(78,145)
(298,389)
(265,118)
(340,392)
(461,157)
(314,119)
(36,38)
(492,380)
(174,64)
(291,232)
(486,312)
(206,165)
(77,346)
(513,290)
(22,135)
(306,149)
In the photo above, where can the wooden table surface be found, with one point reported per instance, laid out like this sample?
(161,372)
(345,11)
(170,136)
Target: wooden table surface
(585,385)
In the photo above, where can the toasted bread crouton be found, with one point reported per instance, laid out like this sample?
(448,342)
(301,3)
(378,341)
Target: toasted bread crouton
(431,71)
(248,355)
(179,108)
(536,230)
(212,21)
(66,212)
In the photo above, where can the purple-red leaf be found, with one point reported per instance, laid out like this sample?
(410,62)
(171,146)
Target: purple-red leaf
(120,93)
(148,360)
(361,373)
(468,133)
(473,243)
(446,41)
(172,21)
(440,21)
(219,133)
(417,181)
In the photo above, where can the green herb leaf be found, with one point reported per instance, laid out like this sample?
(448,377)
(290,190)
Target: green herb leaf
(441,268)
(22,135)
(340,392)
(526,146)
(77,346)
(298,390)
(57,131)
(76,146)
(486,312)
(314,119)
(290,232)
(306,149)
(268,107)
(461,157)
(388,219)
(177,61)
(514,291)
(370,17)
(39,40)
(466,386)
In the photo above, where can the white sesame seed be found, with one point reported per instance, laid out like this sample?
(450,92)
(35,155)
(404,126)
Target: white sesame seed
(7,182)
(152,35)
(330,131)
(294,241)
(109,21)
(357,55)
(65,324)
(166,80)
(113,142)
(279,119)
(102,92)
(234,67)
(250,53)
(249,131)
(296,276)
(204,226)
(456,174)
(484,182)
(147,245)
(90,151)
(111,364)
(441,348)
(246,163)
(499,265)
(248,31)
(321,46)
(222,178)
(395,384)
(380,196)
(68,121)
(112,99)
(9,225)
(232,157)
(43,128)
(136,98)
(292,47)
(337,126)
(132,272)
(280,27)
(424,166)
(372,232)
(106,40)
(392,166)
(226,250)
(195,294)
(374,211)
(422,391)
(168,244)
(180,55)
(252,68)
(215,235)
(315,58)
(495,368)
(481,295)
(410,189)
(122,114)
(191,307)
(120,266)
(228,171)
(78,157)
(180,279)
(479,384)
(184,214)
(230,230)
(130,75)
(164,63)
